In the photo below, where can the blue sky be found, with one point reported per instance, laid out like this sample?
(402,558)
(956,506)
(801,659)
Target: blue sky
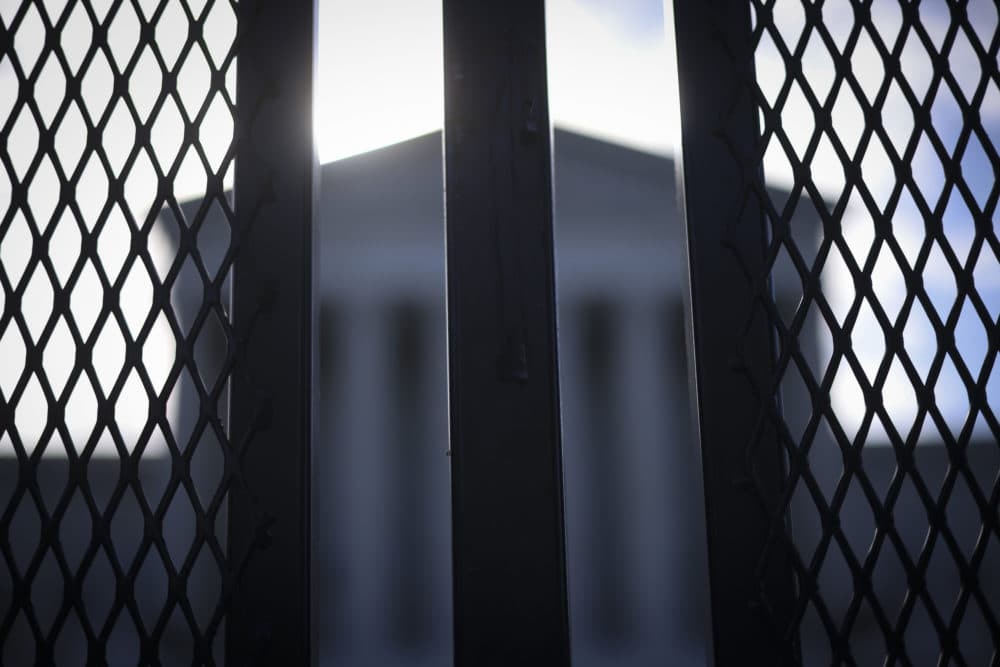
(908,223)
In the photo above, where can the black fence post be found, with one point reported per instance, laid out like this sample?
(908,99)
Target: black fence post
(509,562)
(271,418)
(733,352)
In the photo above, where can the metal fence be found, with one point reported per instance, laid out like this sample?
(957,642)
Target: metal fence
(849,440)
(153,446)
(156,377)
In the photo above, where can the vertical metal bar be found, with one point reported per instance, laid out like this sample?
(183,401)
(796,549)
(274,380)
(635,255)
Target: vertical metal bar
(271,414)
(732,350)
(508,536)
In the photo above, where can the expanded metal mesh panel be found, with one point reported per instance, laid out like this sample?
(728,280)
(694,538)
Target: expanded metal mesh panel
(878,132)
(115,337)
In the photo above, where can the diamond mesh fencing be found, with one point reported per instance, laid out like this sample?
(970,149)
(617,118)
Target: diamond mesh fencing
(878,125)
(116,128)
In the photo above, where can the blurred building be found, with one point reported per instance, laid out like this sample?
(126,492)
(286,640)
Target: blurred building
(634,505)
(633,500)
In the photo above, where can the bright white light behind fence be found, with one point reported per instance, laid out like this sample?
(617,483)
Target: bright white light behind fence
(115,240)
(908,228)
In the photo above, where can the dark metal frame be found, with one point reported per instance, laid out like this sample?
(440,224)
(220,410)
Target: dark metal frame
(508,534)
(725,238)
(756,473)
(273,381)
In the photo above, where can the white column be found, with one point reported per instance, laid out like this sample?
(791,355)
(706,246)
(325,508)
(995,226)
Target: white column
(577,471)
(360,478)
(644,407)
(437,468)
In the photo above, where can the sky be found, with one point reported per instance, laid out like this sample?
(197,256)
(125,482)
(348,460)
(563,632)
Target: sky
(612,74)
(857,225)
(379,77)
